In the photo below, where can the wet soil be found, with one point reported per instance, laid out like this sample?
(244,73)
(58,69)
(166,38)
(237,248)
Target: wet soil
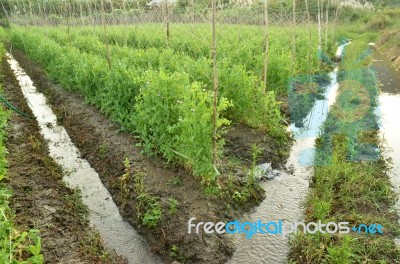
(106,147)
(40,198)
(389,46)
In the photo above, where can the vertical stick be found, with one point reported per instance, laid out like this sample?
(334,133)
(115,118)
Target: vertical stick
(319,29)
(5,12)
(166,20)
(294,38)
(322,19)
(192,7)
(335,22)
(326,26)
(215,83)
(265,73)
(31,13)
(309,37)
(105,34)
(67,14)
(40,12)
(81,13)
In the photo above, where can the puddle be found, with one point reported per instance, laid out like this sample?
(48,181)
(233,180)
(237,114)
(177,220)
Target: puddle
(104,215)
(389,109)
(285,193)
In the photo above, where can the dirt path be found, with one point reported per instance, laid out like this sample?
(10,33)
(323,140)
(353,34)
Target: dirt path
(40,199)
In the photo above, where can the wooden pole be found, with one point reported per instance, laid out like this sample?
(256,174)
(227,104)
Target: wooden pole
(192,7)
(326,26)
(319,29)
(309,37)
(105,34)
(294,38)
(335,22)
(215,84)
(166,20)
(265,72)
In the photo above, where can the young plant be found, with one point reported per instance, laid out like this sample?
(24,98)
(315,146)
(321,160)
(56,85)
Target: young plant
(173,205)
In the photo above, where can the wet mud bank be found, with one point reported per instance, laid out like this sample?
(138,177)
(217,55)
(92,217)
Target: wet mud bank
(106,148)
(389,109)
(40,198)
(104,215)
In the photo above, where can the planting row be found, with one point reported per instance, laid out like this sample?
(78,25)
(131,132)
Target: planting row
(172,115)
(241,87)
(15,246)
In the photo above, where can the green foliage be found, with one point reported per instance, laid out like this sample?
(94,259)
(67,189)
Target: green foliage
(172,114)
(379,22)
(148,208)
(173,205)
(177,181)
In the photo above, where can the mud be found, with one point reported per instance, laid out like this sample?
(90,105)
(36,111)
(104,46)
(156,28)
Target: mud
(40,198)
(388,43)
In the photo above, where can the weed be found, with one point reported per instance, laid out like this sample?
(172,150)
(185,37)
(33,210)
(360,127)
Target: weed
(173,205)
(255,153)
(124,180)
(174,251)
(212,190)
(148,209)
(176,181)
(102,151)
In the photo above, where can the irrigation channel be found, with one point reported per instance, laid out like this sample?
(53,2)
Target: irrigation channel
(104,215)
(389,108)
(284,194)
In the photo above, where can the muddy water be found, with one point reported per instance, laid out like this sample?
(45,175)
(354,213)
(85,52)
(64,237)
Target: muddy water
(104,214)
(285,194)
(389,109)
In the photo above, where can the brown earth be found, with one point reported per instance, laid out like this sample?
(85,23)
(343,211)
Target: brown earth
(40,198)
(389,44)
(106,147)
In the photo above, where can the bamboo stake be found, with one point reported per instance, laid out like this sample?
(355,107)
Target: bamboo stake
(215,84)
(192,5)
(335,21)
(67,14)
(294,38)
(166,20)
(326,26)
(265,72)
(105,34)
(309,37)
(319,29)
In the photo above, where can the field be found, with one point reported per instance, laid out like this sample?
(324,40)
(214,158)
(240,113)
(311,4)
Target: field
(175,117)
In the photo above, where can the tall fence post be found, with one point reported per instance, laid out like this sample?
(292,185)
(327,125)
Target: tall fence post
(166,20)
(265,70)
(294,38)
(105,34)
(215,84)
(326,26)
(309,37)
(319,29)
(335,22)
